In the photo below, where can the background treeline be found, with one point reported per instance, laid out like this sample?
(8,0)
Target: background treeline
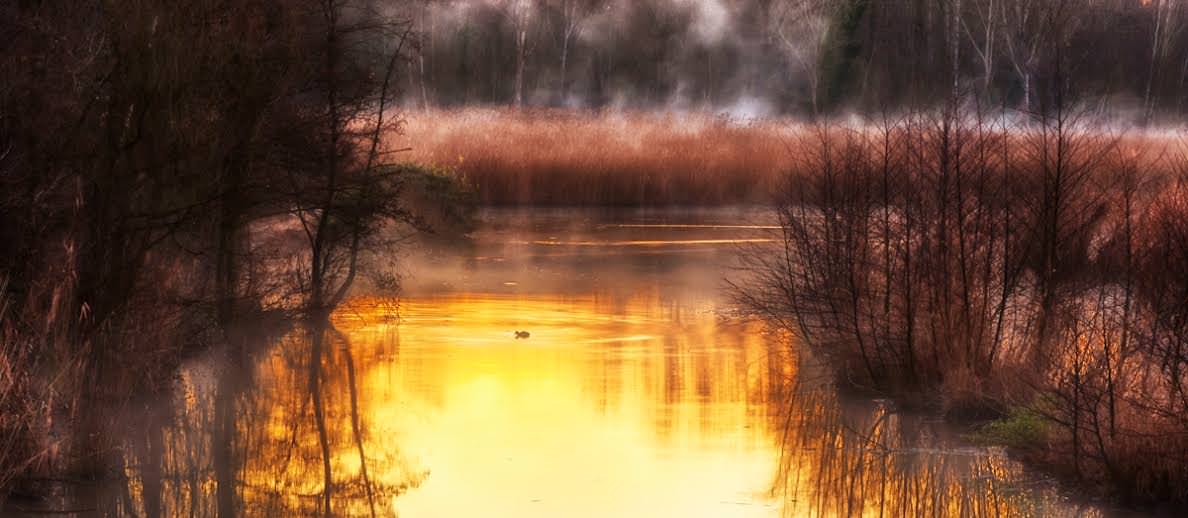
(796,56)
(171,173)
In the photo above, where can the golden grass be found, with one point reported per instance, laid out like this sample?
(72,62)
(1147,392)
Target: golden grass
(556,157)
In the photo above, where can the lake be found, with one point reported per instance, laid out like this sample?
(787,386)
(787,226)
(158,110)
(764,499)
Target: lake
(635,388)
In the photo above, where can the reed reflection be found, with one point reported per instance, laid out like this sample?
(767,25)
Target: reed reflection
(858,458)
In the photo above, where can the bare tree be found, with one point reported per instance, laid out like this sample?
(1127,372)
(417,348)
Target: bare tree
(987,17)
(425,44)
(574,14)
(1168,24)
(343,196)
(801,27)
(521,14)
(1023,37)
(953,35)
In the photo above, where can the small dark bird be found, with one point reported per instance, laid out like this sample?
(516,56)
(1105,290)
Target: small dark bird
(522,334)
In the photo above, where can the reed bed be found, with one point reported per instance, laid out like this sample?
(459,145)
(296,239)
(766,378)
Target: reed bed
(557,157)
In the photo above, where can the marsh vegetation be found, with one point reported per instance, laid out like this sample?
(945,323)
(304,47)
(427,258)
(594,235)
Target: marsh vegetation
(971,209)
(983,270)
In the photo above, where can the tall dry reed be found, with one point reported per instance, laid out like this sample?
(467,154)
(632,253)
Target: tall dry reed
(555,157)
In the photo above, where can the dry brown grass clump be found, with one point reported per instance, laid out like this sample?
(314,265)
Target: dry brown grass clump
(555,157)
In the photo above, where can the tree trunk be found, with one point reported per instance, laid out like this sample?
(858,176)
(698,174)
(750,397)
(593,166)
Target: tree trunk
(521,51)
(1156,51)
(565,67)
(421,75)
(428,37)
(988,52)
(1025,77)
(318,333)
(955,47)
(223,447)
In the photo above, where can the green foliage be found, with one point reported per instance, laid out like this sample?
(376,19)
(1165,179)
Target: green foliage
(1022,429)
(439,199)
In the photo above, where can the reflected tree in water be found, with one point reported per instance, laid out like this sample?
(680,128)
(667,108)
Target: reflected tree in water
(845,457)
(262,441)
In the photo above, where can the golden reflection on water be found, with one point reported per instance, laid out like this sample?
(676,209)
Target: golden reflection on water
(611,408)
(634,396)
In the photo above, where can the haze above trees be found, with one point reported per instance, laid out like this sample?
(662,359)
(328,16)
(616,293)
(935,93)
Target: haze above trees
(763,57)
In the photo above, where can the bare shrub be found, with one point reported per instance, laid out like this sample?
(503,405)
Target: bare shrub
(981,267)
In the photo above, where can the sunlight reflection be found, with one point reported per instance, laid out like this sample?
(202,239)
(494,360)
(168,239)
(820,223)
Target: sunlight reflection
(627,406)
(636,392)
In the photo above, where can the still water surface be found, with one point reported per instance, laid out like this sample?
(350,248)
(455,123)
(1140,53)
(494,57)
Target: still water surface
(640,391)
